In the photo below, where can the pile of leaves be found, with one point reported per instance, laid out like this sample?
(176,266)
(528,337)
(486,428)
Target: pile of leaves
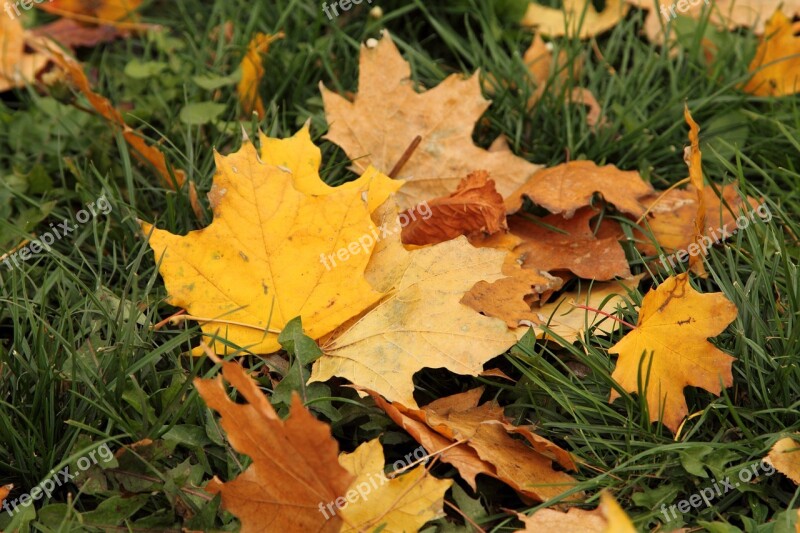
(439,256)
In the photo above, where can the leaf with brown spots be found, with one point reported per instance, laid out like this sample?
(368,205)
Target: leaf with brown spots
(671,335)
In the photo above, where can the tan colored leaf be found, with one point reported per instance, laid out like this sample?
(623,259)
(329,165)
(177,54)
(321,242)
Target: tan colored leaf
(72,34)
(694,159)
(673,311)
(421,324)
(572,245)
(489,448)
(277,492)
(785,457)
(396,505)
(388,114)
(568,187)
(473,208)
(607,518)
(576,18)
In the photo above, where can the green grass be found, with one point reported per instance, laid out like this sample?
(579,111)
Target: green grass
(80,364)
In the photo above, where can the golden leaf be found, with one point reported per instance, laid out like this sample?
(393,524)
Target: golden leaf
(253,71)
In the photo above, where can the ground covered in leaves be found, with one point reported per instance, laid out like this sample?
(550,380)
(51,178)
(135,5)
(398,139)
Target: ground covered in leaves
(405,266)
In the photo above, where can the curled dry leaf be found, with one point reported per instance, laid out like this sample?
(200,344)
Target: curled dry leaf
(576,18)
(571,245)
(252,73)
(421,323)
(785,457)
(258,264)
(387,114)
(294,469)
(568,187)
(97,11)
(403,503)
(489,447)
(694,159)
(143,151)
(776,65)
(607,518)
(674,310)
(474,207)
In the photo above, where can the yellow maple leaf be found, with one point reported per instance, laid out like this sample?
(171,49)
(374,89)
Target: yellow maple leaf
(395,505)
(388,114)
(253,71)
(607,518)
(277,492)
(785,457)
(262,261)
(421,323)
(675,322)
(577,18)
(776,65)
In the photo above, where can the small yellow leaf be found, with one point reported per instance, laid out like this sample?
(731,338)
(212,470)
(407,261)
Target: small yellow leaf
(675,323)
(607,518)
(785,457)
(403,503)
(577,18)
(253,71)
(96,11)
(776,65)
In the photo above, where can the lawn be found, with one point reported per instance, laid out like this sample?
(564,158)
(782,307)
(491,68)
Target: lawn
(96,380)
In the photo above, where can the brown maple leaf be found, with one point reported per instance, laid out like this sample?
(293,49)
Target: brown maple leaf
(475,207)
(295,465)
(568,187)
(388,113)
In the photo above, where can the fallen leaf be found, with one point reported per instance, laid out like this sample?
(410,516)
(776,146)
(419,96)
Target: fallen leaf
(388,114)
(776,65)
(576,18)
(567,187)
(5,490)
(103,11)
(785,457)
(607,518)
(474,207)
(569,322)
(488,446)
(403,503)
(672,311)
(18,68)
(671,216)
(71,34)
(252,73)
(421,323)
(277,492)
(725,14)
(262,261)
(571,245)
(694,160)
(143,151)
